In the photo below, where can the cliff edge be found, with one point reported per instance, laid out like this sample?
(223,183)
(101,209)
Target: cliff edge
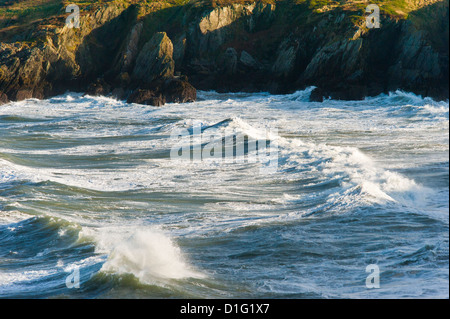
(153,52)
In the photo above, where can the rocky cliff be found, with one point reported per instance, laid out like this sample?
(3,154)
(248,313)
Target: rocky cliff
(161,51)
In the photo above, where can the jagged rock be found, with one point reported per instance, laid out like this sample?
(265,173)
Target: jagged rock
(285,59)
(57,59)
(223,16)
(417,64)
(98,54)
(323,65)
(214,29)
(21,71)
(155,61)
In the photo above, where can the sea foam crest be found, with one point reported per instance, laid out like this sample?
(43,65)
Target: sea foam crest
(147,253)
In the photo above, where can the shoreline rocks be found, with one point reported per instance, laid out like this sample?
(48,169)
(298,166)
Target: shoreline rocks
(165,56)
(3,98)
(175,90)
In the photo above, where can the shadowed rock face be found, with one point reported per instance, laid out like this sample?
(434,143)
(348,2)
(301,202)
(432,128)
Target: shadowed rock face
(278,52)
(179,91)
(155,61)
(247,46)
(52,58)
(131,48)
(172,90)
(3,98)
(147,97)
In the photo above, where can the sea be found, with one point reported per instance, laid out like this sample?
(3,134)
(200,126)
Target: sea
(236,195)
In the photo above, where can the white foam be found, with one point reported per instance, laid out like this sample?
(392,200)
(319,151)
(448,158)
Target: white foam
(145,252)
(346,154)
(18,278)
(312,139)
(7,176)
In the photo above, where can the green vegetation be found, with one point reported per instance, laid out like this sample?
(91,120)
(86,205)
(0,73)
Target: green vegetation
(26,11)
(317,4)
(23,12)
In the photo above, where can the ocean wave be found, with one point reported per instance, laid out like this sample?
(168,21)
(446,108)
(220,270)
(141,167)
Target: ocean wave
(145,252)
(88,183)
(321,161)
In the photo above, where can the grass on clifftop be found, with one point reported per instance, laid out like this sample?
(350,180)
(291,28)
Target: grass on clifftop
(23,12)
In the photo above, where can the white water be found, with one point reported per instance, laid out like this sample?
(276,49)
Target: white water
(104,166)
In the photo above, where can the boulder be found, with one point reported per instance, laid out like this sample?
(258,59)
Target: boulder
(179,90)
(317,95)
(350,92)
(146,97)
(24,94)
(98,88)
(3,98)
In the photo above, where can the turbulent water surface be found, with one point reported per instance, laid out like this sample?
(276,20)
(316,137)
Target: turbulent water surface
(88,185)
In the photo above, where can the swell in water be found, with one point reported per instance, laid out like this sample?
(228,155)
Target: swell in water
(88,183)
